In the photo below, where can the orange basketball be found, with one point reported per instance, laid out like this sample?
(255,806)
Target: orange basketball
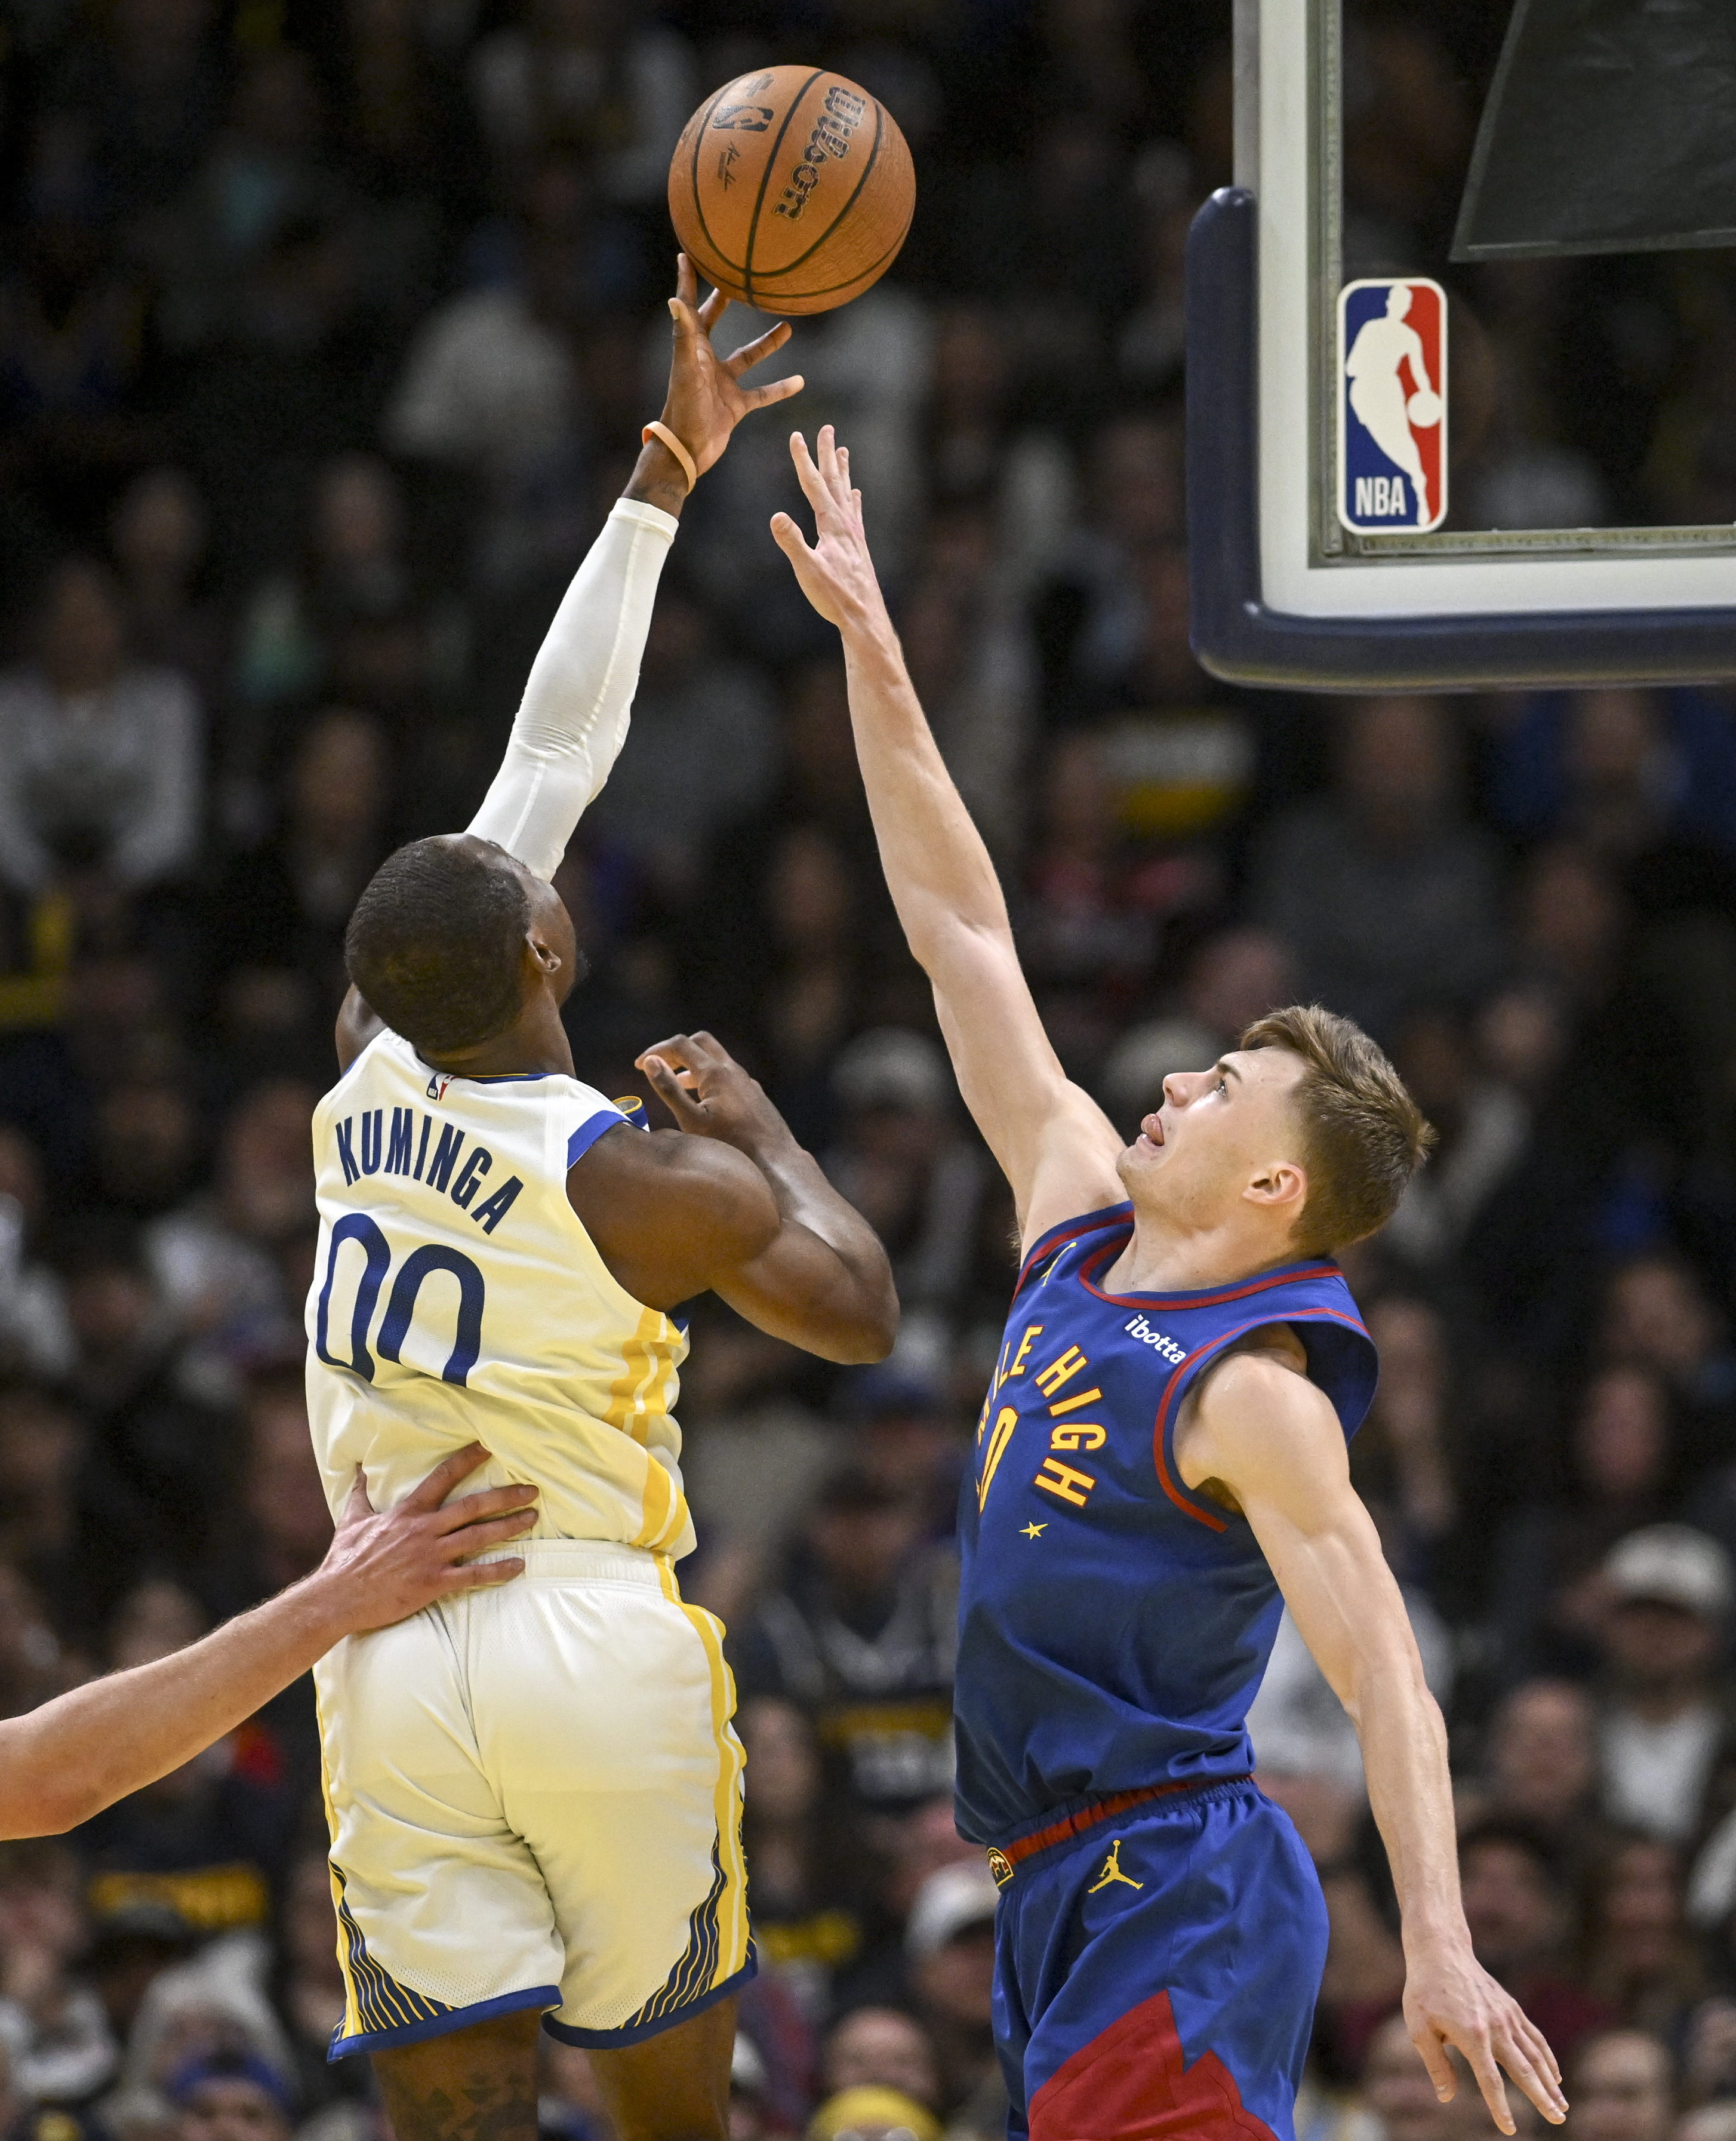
(792,189)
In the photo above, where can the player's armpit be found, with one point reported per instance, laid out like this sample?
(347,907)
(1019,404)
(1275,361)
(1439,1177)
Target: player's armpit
(671,1215)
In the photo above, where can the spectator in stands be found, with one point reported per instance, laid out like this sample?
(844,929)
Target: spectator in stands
(98,758)
(1550,1585)
(881,2048)
(1384,894)
(1667,1734)
(229,2096)
(860,1634)
(949,1944)
(66,1524)
(1542,1766)
(159,535)
(1641,1952)
(1519,1906)
(58,2036)
(1621,2088)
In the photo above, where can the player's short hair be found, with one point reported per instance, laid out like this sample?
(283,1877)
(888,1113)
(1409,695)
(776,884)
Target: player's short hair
(434,945)
(1364,1135)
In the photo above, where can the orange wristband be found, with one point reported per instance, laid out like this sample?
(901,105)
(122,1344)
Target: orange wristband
(662,432)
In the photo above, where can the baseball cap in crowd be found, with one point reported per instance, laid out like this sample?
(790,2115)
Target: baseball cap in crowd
(1674,1565)
(872,2113)
(951,1901)
(188,2080)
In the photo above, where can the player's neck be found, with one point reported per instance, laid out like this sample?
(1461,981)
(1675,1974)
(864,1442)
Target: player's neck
(1163,1257)
(535,1042)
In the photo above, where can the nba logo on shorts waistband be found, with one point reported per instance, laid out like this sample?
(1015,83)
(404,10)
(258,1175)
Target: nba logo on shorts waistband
(1392,439)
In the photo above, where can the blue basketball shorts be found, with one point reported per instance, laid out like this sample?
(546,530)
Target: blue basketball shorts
(1155,1972)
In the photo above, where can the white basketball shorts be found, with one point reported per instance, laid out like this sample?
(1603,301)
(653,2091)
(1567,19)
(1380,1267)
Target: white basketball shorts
(535,1800)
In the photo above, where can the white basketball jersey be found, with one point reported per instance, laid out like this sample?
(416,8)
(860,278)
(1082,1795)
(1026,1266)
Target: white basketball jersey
(458,1298)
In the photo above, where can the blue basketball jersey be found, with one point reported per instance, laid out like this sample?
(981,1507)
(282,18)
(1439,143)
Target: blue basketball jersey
(1113,1627)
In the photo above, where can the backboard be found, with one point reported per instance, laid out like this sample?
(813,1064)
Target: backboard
(1568,534)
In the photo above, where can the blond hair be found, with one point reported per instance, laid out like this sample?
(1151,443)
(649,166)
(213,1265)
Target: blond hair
(1365,1136)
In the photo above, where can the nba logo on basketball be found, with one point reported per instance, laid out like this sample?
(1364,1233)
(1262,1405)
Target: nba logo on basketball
(1392,367)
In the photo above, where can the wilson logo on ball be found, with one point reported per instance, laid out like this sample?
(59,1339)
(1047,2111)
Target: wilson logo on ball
(831,137)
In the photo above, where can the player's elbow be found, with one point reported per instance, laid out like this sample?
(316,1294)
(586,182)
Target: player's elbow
(40,1798)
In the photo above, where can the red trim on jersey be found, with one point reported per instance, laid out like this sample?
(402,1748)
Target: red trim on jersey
(1133,2083)
(1070,1230)
(1100,1810)
(1177,1493)
(1291,1275)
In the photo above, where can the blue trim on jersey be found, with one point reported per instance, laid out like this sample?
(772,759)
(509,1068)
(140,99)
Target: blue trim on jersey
(443,2024)
(636,2033)
(505,1077)
(588,1131)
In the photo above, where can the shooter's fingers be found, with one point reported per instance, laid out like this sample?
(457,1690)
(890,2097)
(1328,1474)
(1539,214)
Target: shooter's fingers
(754,352)
(712,311)
(675,1096)
(779,389)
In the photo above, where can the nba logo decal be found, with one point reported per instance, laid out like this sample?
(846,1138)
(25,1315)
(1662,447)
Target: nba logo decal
(1392,434)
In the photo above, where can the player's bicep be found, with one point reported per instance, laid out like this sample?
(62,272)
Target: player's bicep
(1274,1440)
(1053,1142)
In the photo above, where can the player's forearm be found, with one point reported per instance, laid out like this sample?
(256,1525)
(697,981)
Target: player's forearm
(65,1762)
(572,719)
(937,868)
(1405,1758)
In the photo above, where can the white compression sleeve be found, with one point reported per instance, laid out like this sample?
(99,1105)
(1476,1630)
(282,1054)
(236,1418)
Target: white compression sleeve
(571,721)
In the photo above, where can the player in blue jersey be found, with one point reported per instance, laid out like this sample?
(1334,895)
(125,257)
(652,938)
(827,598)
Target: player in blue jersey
(1161,1467)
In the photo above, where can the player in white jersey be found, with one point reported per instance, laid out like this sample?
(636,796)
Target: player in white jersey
(535,1805)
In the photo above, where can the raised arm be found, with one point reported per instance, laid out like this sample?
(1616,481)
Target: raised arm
(1265,1440)
(1055,1144)
(572,719)
(65,1762)
(732,1205)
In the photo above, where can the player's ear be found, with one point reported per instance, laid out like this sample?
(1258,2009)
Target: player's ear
(1279,1185)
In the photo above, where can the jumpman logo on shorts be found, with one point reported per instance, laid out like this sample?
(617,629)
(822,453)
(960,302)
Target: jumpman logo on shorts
(1111,1872)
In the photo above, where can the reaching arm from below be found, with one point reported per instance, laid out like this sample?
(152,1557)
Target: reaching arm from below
(63,1763)
(1054,1145)
(1263,1440)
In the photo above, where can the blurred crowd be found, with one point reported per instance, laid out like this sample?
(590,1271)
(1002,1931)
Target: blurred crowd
(327,327)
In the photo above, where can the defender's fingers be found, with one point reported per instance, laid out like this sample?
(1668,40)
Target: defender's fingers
(780,390)
(477,1508)
(445,1476)
(482,1576)
(1530,2074)
(356,1502)
(1489,2081)
(1434,2055)
(789,539)
(752,353)
(808,475)
(479,1538)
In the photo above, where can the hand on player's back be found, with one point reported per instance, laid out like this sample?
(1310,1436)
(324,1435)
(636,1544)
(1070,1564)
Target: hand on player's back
(836,574)
(706,399)
(390,1566)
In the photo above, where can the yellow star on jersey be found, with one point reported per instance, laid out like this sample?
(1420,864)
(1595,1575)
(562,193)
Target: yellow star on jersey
(1031,1530)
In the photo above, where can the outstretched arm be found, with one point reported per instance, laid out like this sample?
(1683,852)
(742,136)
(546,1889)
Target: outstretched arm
(65,1762)
(1056,1146)
(572,719)
(1269,1442)
(731,1204)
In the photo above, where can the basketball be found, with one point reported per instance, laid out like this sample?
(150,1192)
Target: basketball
(792,189)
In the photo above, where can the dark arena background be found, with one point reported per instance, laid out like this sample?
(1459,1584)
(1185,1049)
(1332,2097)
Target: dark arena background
(326,329)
